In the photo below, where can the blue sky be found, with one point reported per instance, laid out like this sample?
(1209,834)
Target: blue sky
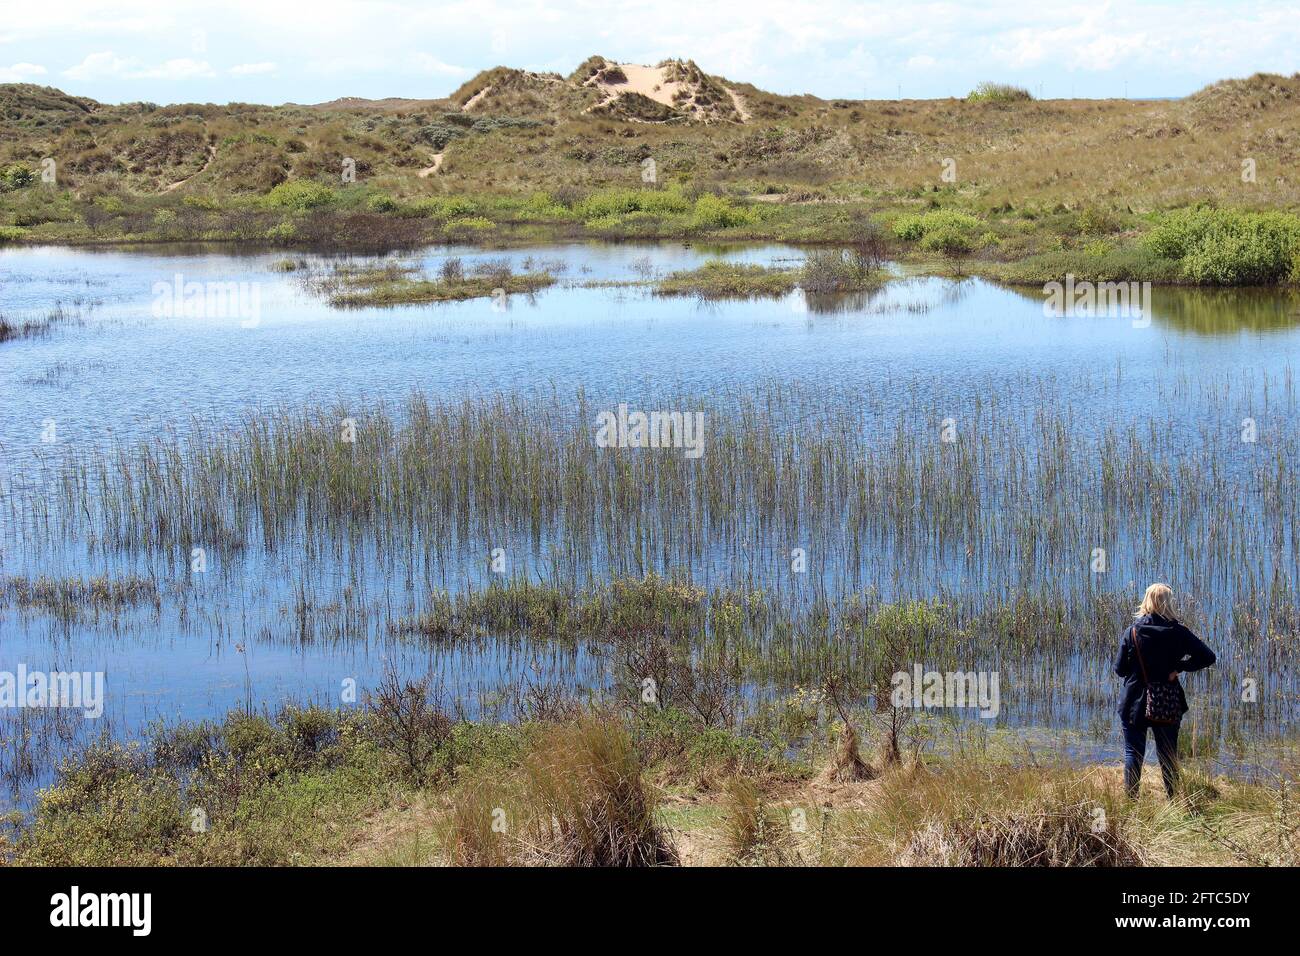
(274,51)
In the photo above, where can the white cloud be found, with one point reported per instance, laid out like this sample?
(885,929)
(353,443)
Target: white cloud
(828,47)
(20,72)
(108,65)
(252,69)
(183,68)
(98,66)
(427,63)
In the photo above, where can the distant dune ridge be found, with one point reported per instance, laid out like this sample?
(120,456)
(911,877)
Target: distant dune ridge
(1025,168)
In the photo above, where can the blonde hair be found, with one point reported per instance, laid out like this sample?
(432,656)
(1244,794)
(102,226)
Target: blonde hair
(1159,599)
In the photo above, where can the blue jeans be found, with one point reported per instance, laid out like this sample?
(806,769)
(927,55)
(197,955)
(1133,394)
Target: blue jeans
(1135,751)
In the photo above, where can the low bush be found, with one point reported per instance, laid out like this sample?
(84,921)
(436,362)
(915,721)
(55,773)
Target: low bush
(301,195)
(1229,247)
(619,201)
(715,212)
(998,93)
(16,176)
(943,228)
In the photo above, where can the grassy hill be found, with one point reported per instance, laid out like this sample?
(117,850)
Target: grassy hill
(624,150)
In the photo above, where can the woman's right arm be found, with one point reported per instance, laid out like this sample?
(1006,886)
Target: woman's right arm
(1198,655)
(1124,659)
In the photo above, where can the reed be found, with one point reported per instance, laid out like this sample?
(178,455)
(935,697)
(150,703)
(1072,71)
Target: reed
(980,550)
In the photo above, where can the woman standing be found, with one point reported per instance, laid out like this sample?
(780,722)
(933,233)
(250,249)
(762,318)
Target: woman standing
(1153,651)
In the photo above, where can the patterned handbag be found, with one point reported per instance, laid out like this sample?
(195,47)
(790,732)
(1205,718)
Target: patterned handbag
(1163,704)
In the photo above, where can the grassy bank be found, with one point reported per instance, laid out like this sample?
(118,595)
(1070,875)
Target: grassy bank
(401,780)
(995,183)
(1192,245)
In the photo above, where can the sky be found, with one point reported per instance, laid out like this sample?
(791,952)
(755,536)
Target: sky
(276,51)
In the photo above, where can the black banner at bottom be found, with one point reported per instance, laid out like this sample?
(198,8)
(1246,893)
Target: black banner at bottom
(335,905)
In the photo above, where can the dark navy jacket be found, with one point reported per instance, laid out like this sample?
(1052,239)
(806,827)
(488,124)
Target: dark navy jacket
(1167,646)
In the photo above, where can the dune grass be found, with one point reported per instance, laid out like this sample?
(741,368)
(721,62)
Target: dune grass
(537,167)
(311,786)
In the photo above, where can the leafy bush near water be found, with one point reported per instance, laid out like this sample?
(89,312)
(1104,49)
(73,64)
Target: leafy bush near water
(301,195)
(1229,247)
(940,230)
(603,208)
(617,202)
(715,212)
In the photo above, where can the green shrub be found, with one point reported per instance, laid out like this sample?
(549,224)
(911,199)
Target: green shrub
(1228,247)
(947,239)
(300,194)
(282,231)
(998,93)
(939,230)
(619,201)
(12,233)
(438,135)
(475,223)
(715,212)
(543,206)
(1095,221)
(16,176)
(444,207)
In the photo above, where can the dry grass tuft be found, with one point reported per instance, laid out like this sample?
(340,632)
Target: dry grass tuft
(1049,834)
(847,766)
(753,833)
(579,799)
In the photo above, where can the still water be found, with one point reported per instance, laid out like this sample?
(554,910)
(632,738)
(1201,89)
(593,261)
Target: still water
(121,368)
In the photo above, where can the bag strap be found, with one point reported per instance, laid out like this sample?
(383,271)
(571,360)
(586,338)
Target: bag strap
(1133,635)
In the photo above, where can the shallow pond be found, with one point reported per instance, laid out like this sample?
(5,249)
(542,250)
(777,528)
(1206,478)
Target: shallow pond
(904,360)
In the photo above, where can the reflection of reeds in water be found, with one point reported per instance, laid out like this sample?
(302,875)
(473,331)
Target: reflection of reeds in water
(34,739)
(69,598)
(60,315)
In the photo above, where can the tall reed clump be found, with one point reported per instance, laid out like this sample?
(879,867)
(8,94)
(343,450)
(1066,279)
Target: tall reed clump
(827,271)
(578,799)
(755,833)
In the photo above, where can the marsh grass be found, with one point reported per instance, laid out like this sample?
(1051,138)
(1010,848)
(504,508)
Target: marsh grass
(726,280)
(400,283)
(60,315)
(993,532)
(69,598)
(832,271)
